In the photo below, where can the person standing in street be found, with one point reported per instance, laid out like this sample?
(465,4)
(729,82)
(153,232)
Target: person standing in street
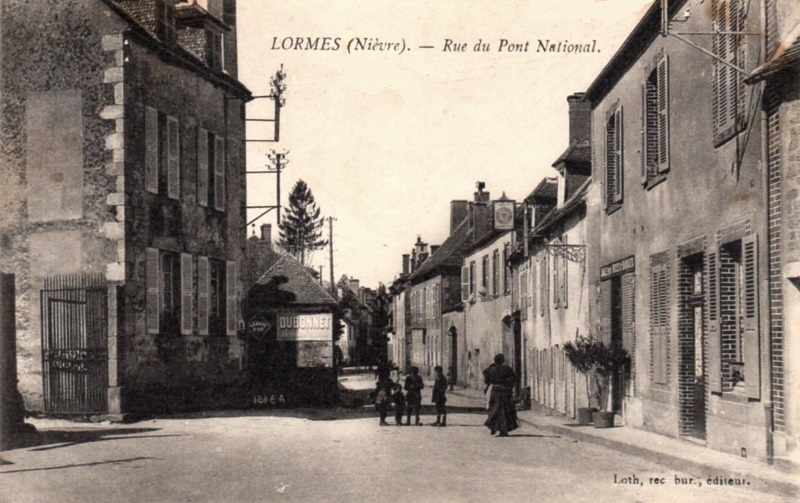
(439,398)
(382,395)
(413,389)
(500,379)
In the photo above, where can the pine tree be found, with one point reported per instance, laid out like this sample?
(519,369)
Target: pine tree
(301,227)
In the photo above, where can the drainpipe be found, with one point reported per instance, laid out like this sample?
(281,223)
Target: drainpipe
(769,408)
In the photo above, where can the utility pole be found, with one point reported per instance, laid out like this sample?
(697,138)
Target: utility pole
(330,254)
(279,162)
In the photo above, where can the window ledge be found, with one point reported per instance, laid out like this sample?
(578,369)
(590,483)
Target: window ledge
(652,182)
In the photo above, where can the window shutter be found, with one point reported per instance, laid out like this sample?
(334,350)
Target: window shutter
(173,159)
(544,300)
(751,352)
(618,155)
(611,166)
(605,310)
(219,173)
(231,282)
(714,341)
(663,321)
(556,279)
(643,153)
(534,284)
(202,295)
(663,114)
(464,283)
(564,262)
(187,294)
(152,282)
(151,150)
(202,167)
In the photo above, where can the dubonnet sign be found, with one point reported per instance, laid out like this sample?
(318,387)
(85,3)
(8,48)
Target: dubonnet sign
(305,327)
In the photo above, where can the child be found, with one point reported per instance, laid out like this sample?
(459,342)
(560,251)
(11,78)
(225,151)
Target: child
(399,404)
(383,390)
(439,389)
(413,389)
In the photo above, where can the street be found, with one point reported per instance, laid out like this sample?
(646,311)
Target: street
(332,455)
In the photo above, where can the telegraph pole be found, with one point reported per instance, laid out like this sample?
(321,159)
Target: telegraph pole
(330,254)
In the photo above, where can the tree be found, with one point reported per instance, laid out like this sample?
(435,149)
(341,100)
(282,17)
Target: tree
(301,227)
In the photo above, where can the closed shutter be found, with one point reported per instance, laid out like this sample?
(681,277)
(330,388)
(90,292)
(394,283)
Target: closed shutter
(202,295)
(187,294)
(659,322)
(628,324)
(534,284)
(557,276)
(714,341)
(173,159)
(564,276)
(219,173)
(202,167)
(611,161)
(544,300)
(151,150)
(464,283)
(618,155)
(643,124)
(231,282)
(152,281)
(523,292)
(751,349)
(663,114)
(605,310)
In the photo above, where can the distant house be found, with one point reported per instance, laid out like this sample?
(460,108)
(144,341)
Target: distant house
(122,216)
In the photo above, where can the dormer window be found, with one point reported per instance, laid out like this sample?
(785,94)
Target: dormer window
(214,49)
(165,21)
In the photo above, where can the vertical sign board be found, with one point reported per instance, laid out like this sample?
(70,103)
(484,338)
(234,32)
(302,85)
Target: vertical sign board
(312,333)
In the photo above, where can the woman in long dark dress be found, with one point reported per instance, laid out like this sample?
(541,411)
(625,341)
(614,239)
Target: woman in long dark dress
(500,380)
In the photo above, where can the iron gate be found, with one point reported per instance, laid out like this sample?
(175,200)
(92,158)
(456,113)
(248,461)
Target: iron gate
(74,345)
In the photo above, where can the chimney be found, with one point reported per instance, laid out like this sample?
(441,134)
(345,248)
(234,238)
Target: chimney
(354,286)
(266,234)
(579,118)
(413,260)
(458,212)
(406,258)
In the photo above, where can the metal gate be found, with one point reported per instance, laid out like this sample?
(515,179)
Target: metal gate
(75,344)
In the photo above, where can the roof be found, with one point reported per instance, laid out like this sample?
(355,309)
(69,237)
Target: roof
(786,56)
(450,254)
(576,200)
(576,152)
(547,189)
(295,282)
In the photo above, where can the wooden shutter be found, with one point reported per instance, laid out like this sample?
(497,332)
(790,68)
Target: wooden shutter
(153,287)
(231,282)
(629,324)
(714,335)
(557,275)
(203,277)
(173,159)
(151,150)
(611,166)
(751,349)
(464,283)
(202,167)
(663,114)
(534,284)
(605,310)
(544,299)
(219,173)
(187,294)
(659,322)
(618,155)
(643,153)
(564,262)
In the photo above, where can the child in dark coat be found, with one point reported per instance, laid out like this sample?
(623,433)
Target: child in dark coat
(399,404)
(439,399)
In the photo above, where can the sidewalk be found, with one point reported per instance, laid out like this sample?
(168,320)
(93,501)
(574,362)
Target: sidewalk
(682,455)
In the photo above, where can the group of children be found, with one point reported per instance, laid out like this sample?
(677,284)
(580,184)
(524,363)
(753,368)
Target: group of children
(410,402)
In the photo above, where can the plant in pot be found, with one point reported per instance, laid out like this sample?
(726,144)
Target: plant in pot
(580,353)
(608,360)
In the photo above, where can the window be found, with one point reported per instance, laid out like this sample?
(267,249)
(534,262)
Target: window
(165,21)
(484,274)
(465,283)
(472,279)
(217,297)
(162,153)
(496,272)
(506,271)
(214,49)
(733,317)
(613,157)
(169,297)
(655,123)
(659,320)
(543,284)
(210,170)
(727,43)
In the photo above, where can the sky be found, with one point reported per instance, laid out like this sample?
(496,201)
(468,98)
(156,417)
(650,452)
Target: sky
(385,139)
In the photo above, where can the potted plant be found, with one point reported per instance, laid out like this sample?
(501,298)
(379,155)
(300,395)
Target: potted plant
(608,360)
(580,353)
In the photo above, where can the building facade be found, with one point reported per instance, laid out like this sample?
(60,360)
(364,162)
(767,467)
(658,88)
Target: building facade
(678,198)
(124,219)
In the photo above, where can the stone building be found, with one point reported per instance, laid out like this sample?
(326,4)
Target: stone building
(679,273)
(124,213)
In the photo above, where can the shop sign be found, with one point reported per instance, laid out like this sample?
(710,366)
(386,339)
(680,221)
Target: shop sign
(627,264)
(305,327)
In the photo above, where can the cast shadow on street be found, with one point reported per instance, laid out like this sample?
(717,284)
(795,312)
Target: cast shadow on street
(57,439)
(76,465)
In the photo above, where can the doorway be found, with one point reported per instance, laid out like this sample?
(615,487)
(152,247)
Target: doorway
(692,347)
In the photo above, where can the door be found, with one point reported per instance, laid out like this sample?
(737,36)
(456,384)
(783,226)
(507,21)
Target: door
(616,338)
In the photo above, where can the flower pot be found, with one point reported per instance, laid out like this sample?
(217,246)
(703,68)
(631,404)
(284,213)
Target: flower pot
(585,415)
(603,419)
